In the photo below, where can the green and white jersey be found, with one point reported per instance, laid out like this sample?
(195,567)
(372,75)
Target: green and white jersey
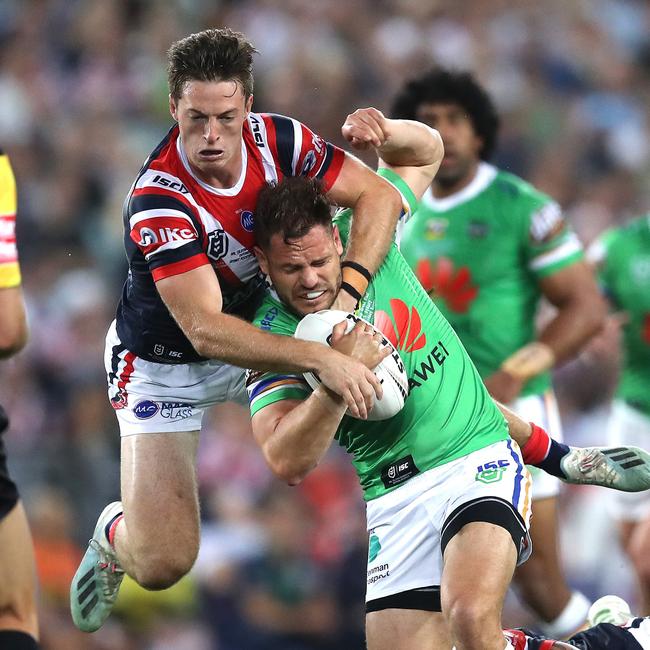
(448,413)
(480,254)
(623,255)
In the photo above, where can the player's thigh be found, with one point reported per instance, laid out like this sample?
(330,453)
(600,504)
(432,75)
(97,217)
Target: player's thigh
(485,533)
(479,562)
(159,486)
(406,629)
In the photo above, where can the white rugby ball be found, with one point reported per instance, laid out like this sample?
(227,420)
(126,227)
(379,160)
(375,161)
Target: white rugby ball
(391,372)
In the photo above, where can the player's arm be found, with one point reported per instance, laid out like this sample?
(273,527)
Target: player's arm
(377,206)
(580,314)
(411,149)
(195,301)
(13,321)
(294,435)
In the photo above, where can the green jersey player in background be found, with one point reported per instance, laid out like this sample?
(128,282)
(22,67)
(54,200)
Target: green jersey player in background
(623,258)
(447,492)
(487,246)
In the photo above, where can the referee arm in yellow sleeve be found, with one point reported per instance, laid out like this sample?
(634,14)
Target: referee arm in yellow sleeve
(13,320)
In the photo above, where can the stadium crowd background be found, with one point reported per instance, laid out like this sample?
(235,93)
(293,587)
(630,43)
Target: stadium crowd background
(83,100)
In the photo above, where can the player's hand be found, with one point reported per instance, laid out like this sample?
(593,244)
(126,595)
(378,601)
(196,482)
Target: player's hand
(362,343)
(365,128)
(350,378)
(503,386)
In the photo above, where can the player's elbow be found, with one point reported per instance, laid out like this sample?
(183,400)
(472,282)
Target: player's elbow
(436,149)
(201,345)
(384,194)
(203,340)
(292,472)
(13,340)
(595,312)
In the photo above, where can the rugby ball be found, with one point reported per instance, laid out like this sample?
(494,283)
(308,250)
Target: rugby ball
(391,372)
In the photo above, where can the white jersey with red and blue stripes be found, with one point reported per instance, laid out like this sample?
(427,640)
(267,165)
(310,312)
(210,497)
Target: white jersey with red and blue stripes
(174,222)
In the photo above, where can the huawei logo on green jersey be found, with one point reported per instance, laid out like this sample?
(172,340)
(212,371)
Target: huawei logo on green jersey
(404,330)
(443,282)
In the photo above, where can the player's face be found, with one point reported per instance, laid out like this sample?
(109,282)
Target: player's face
(462,144)
(210,116)
(306,272)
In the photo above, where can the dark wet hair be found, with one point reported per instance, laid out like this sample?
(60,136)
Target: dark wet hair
(211,55)
(291,208)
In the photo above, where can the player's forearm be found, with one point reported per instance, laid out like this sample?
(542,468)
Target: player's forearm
(410,144)
(237,342)
(573,325)
(13,321)
(302,437)
(376,213)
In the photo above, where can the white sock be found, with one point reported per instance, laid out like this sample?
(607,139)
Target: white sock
(570,620)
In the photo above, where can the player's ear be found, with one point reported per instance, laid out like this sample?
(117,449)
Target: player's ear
(173,108)
(336,236)
(249,104)
(261,259)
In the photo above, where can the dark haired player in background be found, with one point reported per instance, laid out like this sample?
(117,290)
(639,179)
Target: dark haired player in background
(18,622)
(487,246)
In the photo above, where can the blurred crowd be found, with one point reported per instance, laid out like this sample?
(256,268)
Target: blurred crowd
(83,100)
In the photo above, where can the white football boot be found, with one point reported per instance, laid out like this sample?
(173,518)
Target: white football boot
(621,468)
(97,581)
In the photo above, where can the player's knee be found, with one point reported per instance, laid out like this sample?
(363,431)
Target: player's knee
(469,617)
(160,570)
(19,611)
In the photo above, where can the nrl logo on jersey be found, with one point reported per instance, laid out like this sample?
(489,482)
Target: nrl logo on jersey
(217,244)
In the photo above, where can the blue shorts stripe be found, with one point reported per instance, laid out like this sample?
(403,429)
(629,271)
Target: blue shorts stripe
(518,478)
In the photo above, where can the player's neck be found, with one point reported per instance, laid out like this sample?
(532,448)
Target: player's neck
(223,178)
(441,189)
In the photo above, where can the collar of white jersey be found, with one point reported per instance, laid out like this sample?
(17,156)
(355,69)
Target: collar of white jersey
(221,191)
(485,174)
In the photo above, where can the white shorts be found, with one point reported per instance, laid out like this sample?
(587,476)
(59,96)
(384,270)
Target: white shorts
(158,397)
(627,426)
(409,528)
(542,410)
